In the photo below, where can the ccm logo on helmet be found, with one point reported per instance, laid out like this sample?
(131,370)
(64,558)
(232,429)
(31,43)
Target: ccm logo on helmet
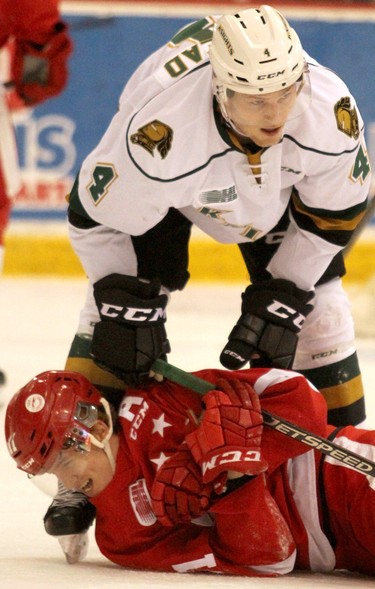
(228,457)
(27,464)
(132,313)
(273,75)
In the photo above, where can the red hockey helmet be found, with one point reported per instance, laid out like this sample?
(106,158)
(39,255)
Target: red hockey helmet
(57,408)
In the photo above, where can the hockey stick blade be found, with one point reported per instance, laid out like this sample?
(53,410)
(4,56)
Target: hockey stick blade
(323,445)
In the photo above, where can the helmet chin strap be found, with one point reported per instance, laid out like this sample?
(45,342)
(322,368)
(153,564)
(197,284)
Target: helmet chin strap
(104,444)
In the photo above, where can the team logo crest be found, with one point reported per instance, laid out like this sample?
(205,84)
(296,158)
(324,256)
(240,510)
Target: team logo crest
(154,135)
(346,117)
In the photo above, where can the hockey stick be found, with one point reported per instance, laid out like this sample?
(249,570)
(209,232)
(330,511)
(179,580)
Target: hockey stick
(347,457)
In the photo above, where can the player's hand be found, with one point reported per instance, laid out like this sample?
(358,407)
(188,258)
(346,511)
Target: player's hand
(130,334)
(229,435)
(266,334)
(38,71)
(178,493)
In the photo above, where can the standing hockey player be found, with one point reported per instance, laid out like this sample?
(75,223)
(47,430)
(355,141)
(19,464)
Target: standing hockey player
(231,127)
(178,491)
(39,47)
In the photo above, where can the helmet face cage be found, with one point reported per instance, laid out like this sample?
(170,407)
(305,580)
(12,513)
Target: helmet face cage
(254,52)
(55,410)
(79,437)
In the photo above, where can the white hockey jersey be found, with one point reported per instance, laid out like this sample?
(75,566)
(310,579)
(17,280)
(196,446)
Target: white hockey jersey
(167,148)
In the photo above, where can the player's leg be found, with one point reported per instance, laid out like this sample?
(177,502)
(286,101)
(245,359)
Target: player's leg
(326,352)
(5,209)
(348,499)
(326,355)
(10,177)
(80,360)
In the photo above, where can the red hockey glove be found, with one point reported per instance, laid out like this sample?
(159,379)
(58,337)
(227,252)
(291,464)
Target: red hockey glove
(178,494)
(229,435)
(40,71)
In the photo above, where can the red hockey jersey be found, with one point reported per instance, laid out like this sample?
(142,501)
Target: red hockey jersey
(268,526)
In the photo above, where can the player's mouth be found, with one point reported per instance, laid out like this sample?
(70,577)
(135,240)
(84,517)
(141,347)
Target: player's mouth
(271,131)
(87,486)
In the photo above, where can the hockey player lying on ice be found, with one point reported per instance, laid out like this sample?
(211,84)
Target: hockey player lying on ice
(181,489)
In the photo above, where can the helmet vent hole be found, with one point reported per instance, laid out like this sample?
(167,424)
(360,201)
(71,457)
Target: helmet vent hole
(33,434)
(43,450)
(241,21)
(242,79)
(238,61)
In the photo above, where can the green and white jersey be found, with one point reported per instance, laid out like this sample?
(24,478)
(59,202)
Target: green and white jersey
(167,147)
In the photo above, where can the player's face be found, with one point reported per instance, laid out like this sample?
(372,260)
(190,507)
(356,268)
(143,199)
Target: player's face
(261,118)
(88,472)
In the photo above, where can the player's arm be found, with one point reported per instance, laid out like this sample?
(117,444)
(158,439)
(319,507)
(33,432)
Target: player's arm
(246,535)
(282,393)
(139,338)
(225,445)
(329,202)
(249,537)
(357,503)
(247,529)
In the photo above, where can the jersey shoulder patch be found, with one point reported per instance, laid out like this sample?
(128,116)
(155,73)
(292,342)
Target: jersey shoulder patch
(154,135)
(347,117)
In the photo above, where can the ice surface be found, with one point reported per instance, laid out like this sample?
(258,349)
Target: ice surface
(38,319)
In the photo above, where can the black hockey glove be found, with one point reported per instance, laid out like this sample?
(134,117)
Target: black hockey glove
(130,334)
(266,334)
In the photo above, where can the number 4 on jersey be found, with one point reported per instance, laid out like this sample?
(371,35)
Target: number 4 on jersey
(361,168)
(102,177)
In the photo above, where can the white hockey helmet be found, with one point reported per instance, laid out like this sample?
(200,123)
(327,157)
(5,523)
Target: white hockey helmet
(255,51)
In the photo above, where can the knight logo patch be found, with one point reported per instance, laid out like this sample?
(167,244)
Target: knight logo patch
(154,135)
(346,117)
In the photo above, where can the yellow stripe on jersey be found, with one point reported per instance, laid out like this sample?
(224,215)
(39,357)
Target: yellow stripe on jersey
(328,223)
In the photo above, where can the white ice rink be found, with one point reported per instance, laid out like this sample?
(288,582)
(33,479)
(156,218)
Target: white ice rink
(37,321)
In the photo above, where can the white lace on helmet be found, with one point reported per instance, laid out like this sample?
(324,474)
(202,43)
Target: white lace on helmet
(254,52)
